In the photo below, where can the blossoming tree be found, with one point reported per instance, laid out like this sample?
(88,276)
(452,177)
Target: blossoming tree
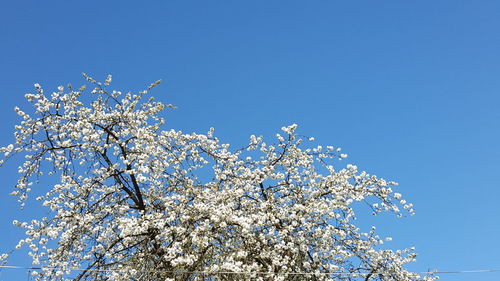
(136,202)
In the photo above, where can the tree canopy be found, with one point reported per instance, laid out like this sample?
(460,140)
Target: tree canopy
(136,201)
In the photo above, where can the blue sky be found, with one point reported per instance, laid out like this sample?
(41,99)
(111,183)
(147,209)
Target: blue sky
(409,89)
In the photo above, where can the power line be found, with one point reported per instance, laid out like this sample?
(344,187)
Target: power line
(243,273)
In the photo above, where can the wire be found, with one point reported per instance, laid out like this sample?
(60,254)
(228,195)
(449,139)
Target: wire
(246,273)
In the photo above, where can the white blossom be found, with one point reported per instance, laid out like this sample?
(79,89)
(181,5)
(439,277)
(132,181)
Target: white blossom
(136,201)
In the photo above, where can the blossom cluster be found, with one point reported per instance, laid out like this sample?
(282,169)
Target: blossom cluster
(134,201)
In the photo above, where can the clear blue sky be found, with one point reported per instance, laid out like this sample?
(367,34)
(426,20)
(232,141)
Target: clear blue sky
(409,89)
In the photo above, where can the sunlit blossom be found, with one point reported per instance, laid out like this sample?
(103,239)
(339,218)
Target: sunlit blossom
(161,204)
